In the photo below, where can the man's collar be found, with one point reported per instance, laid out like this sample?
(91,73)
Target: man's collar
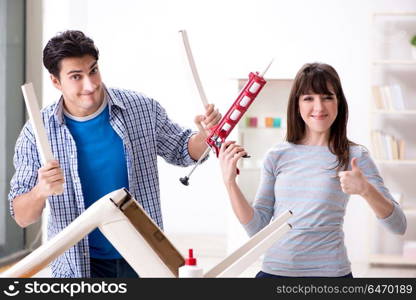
(112,99)
(58,111)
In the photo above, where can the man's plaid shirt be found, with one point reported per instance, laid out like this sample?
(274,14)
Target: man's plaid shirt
(146,131)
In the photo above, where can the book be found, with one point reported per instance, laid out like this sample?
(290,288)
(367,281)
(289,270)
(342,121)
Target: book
(396,97)
(385,97)
(387,147)
(394,148)
(378,101)
(401,149)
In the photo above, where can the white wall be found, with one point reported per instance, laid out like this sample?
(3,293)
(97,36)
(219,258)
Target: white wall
(140,49)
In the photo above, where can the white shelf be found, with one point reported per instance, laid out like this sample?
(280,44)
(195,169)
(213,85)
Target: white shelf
(396,260)
(249,169)
(396,161)
(395,13)
(394,112)
(242,129)
(395,62)
(243,77)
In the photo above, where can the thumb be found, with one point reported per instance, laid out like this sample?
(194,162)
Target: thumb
(198,121)
(354,164)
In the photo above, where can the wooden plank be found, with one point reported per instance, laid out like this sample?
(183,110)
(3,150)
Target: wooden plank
(42,142)
(192,65)
(33,109)
(242,258)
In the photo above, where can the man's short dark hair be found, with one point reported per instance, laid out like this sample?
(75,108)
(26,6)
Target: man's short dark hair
(70,43)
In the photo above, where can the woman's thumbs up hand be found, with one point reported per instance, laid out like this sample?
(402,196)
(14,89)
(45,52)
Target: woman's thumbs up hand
(354,181)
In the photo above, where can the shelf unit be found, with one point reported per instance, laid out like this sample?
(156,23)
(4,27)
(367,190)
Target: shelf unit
(393,64)
(271,102)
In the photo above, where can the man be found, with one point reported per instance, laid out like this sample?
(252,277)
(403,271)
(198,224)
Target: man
(103,139)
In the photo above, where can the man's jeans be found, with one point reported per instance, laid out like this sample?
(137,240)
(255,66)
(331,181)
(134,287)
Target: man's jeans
(111,268)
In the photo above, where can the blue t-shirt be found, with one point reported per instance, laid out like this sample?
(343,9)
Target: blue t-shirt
(102,167)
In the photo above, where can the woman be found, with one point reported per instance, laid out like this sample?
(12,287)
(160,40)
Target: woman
(312,174)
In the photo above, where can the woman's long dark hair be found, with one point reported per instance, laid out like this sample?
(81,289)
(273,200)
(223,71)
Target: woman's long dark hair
(317,78)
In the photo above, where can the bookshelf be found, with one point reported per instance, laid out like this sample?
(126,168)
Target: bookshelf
(393,123)
(270,104)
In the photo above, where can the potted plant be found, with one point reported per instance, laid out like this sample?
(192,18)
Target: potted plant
(413,43)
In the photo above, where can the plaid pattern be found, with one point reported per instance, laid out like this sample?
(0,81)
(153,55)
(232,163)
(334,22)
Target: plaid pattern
(146,131)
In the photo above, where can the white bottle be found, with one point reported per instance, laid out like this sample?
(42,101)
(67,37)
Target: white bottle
(190,269)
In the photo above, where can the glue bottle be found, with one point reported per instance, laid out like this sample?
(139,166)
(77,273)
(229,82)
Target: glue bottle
(190,269)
